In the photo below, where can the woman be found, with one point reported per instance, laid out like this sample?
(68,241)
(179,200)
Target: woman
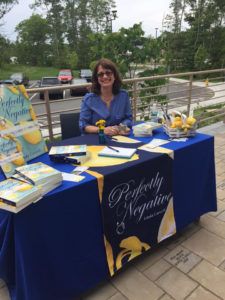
(107,101)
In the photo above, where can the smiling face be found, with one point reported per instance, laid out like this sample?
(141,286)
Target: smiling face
(106,77)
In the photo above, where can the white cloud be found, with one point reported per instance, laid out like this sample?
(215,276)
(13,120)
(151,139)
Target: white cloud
(129,12)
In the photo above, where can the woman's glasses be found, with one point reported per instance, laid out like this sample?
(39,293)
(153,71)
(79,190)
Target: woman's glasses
(108,73)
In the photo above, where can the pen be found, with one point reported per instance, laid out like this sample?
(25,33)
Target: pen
(113,149)
(25,177)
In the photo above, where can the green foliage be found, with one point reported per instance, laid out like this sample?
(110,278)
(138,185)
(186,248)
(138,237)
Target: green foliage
(34,73)
(4,51)
(127,48)
(73,59)
(200,58)
(32,41)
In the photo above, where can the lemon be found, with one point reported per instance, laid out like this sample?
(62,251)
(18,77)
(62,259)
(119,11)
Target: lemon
(177,118)
(190,121)
(19,161)
(32,137)
(178,124)
(7,168)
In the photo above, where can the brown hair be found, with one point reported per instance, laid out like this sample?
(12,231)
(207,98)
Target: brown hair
(106,64)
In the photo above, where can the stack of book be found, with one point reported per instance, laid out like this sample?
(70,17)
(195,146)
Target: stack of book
(16,195)
(145,129)
(41,175)
(76,154)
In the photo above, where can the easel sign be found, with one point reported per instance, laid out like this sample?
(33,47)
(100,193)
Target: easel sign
(20,136)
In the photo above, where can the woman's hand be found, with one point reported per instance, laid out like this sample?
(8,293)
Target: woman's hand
(125,132)
(111,130)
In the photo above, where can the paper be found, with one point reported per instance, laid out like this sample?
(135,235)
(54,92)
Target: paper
(156,143)
(117,152)
(179,140)
(72,177)
(124,139)
(158,150)
(78,170)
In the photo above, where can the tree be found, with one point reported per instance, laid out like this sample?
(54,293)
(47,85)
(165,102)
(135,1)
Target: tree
(4,50)
(6,6)
(127,48)
(201,57)
(32,41)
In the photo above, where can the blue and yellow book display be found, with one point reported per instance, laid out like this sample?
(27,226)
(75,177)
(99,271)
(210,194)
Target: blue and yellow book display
(20,135)
(15,194)
(68,150)
(39,173)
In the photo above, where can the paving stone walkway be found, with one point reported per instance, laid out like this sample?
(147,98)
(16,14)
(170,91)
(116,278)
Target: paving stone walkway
(190,266)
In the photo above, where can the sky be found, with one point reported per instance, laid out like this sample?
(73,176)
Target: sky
(129,12)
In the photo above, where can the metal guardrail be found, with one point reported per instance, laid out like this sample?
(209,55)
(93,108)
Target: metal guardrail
(181,91)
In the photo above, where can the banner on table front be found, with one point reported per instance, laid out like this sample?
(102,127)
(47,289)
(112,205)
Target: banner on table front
(137,210)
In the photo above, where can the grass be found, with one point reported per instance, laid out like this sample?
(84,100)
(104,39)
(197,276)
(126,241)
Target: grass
(33,73)
(209,111)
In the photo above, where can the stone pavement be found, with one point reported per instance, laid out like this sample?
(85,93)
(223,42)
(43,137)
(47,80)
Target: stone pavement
(190,266)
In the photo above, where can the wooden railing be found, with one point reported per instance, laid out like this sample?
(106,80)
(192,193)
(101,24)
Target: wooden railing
(181,91)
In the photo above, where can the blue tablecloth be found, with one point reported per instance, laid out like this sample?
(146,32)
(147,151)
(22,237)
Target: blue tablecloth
(54,249)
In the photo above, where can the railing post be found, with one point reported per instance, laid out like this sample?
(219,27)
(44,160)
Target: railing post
(48,111)
(189,94)
(134,101)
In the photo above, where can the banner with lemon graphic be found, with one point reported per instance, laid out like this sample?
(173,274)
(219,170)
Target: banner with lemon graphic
(137,209)
(20,135)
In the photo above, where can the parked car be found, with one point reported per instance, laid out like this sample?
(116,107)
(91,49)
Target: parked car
(50,82)
(86,73)
(65,76)
(79,90)
(20,78)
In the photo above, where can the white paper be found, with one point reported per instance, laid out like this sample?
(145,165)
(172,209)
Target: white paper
(179,140)
(78,170)
(72,177)
(156,143)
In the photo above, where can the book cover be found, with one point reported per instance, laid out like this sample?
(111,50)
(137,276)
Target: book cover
(18,121)
(68,150)
(117,152)
(38,173)
(11,155)
(16,193)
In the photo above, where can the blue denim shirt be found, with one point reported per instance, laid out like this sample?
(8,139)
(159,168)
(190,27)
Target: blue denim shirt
(94,109)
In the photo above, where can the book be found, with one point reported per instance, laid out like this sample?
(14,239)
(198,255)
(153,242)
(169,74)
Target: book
(11,155)
(19,127)
(145,129)
(11,208)
(68,150)
(15,193)
(119,152)
(39,173)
